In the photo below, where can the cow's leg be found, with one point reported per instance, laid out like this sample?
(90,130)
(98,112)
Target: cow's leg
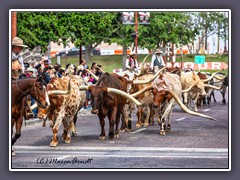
(147,111)
(67,122)
(139,115)
(112,122)
(195,102)
(185,99)
(102,124)
(151,118)
(213,95)
(55,128)
(166,113)
(223,91)
(73,128)
(124,118)
(169,116)
(116,133)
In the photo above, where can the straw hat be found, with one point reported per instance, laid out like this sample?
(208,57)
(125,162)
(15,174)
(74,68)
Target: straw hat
(158,51)
(18,42)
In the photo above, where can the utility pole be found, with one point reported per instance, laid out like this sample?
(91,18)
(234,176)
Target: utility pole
(80,51)
(14,24)
(136,31)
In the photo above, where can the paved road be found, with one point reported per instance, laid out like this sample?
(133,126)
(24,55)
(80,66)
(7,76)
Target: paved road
(193,142)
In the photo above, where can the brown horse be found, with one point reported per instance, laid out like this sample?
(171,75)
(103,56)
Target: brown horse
(20,89)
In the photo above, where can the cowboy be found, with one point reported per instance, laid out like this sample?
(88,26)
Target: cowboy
(131,63)
(157,61)
(17,59)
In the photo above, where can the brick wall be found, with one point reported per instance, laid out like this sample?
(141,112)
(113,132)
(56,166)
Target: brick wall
(14,24)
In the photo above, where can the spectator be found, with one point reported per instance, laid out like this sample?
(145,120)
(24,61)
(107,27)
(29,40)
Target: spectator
(81,67)
(188,68)
(87,79)
(31,72)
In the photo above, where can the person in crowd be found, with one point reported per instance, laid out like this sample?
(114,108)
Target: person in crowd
(157,61)
(87,79)
(188,68)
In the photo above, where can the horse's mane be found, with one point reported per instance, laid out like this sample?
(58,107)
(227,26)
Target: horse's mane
(23,79)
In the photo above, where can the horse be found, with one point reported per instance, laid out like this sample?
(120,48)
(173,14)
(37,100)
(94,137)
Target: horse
(20,89)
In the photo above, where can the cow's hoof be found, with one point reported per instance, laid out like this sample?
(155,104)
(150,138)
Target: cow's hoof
(116,136)
(138,125)
(102,138)
(162,133)
(74,134)
(169,127)
(68,141)
(53,144)
(122,130)
(127,130)
(13,153)
(145,125)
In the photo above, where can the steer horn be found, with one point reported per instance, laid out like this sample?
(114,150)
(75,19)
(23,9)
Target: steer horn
(59,92)
(142,66)
(149,80)
(124,94)
(213,87)
(141,91)
(93,75)
(186,90)
(186,109)
(210,78)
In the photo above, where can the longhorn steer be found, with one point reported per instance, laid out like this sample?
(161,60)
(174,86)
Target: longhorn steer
(63,109)
(108,98)
(193,86)
(166,90)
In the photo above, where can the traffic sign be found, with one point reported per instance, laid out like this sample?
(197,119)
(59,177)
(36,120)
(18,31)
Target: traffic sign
(199,59)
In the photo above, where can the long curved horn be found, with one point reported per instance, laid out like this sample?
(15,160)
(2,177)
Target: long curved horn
(186,109)
(141,91)
(213,87)
(59,92)
(101,69)
(186,90)
(210,78)
(124,94)
(220,79)
(95,77)
(148,80)
(142,66)
(83,88)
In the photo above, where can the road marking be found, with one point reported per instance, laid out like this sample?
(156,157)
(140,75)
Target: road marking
(139,130)
(180,119)
(205,110)
(120,148)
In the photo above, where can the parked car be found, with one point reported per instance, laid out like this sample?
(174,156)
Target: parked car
(75,51)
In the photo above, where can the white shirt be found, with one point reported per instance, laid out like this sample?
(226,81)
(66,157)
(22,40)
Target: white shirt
(159,59)
(127,64)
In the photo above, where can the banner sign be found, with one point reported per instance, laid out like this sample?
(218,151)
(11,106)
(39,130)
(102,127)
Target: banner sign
(144,17)
(205,66)
(128,17)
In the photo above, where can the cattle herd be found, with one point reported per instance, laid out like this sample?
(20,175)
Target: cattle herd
(115,96)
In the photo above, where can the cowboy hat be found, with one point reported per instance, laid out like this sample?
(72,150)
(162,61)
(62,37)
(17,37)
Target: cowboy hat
(30,69)
(18,42)
(158,51)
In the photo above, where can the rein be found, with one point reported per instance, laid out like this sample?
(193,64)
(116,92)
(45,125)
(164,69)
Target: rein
(20,89)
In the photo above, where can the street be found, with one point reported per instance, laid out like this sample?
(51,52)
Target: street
(192,143)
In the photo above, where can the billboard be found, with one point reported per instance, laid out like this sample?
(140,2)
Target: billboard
(143,18)
(128,17)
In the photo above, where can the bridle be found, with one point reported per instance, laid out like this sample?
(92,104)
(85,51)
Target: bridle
(35,91)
